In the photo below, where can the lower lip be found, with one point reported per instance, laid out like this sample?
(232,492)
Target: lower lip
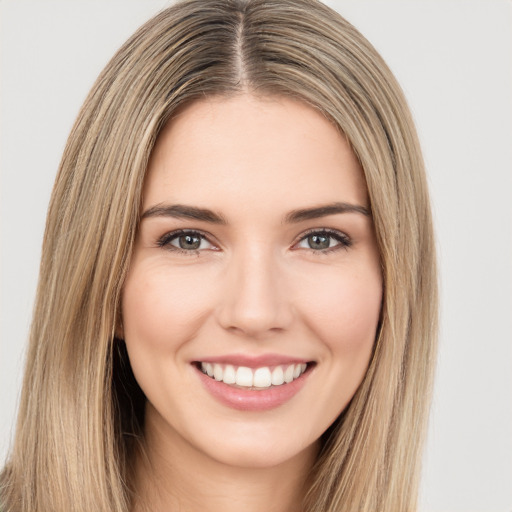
(253,399)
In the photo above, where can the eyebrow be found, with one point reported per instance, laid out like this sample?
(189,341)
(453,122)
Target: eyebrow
(322,211)
(180,211)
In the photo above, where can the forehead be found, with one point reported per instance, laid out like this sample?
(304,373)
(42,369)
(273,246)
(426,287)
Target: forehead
(224,153)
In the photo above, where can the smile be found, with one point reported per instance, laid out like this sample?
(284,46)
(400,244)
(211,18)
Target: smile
(253,384)
(253,378)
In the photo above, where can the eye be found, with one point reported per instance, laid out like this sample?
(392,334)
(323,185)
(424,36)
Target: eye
(324,241)
(185,241)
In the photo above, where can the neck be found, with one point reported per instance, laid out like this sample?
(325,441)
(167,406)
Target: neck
(171,474)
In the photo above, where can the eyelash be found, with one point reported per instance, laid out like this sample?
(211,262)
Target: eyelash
(344,242)
(165,241)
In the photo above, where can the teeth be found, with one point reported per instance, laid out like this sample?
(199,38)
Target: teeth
(244,377)
(288,374)
(229,375)
(261,378)
(278,376)
(217,372)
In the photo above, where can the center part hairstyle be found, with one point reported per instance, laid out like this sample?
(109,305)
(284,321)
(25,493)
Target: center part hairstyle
(81,413)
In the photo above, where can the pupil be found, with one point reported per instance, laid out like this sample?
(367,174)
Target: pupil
(318,241)
(189,242)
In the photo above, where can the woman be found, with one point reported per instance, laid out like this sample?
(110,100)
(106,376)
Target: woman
(237,298)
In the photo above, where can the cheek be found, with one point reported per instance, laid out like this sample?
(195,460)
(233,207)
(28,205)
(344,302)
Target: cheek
(163,311)
(344,310)
(344,317)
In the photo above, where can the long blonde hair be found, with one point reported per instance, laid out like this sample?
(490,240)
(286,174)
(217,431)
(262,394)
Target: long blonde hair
(81,409)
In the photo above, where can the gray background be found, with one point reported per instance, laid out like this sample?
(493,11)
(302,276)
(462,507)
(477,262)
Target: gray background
(453,59)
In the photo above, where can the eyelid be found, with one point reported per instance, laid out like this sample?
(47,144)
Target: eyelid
(165,239)
(344,240)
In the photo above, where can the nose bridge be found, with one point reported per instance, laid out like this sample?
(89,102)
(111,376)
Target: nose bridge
(254,300)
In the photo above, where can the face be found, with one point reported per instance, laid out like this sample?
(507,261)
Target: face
(252,302)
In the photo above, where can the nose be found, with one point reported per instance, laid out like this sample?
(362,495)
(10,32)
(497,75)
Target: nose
(254,301)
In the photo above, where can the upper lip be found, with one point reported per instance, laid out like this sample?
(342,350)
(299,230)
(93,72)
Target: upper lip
(251,361)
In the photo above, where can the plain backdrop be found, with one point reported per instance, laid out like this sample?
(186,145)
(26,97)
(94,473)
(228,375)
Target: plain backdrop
(454,61)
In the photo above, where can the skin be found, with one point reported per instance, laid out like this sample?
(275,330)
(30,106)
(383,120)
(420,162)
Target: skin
(254,286)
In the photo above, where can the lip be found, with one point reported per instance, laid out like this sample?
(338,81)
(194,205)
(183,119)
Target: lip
(253,399)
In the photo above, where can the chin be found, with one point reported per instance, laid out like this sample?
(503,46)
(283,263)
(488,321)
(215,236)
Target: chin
(247,451)
(249,457)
